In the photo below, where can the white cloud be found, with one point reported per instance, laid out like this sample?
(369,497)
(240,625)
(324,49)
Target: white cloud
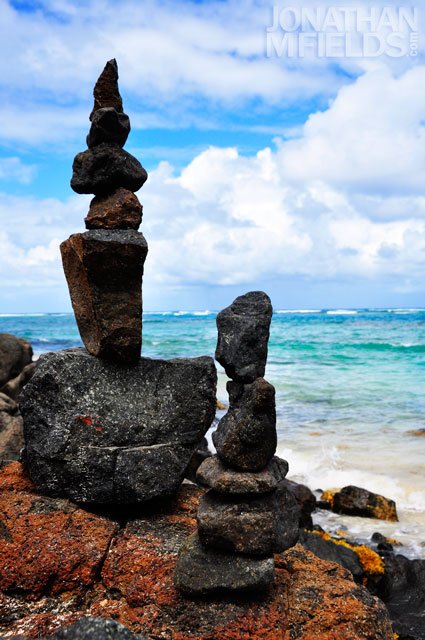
(14,169)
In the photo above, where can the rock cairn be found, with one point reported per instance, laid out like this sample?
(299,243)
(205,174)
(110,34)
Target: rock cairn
(247,514)
(104,425)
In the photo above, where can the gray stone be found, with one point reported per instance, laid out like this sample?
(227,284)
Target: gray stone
(108,126)
(105,168)
(243,334)
(104,270)
(213,473)
(246,437)
(256,526)
(96,431)
(204,572)
(15,354)
(95,629)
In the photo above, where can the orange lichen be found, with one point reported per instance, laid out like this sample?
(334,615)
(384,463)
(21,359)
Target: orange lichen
(328,496)
(370,561)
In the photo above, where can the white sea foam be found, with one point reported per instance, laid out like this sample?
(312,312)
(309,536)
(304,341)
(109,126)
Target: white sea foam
(286,311)
(342,312)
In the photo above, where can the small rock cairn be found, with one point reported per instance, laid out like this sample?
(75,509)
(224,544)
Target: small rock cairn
(247,515)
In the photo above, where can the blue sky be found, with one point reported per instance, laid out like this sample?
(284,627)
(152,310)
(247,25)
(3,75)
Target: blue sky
(303,176)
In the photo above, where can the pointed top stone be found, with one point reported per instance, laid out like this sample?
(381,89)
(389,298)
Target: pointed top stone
(106,92)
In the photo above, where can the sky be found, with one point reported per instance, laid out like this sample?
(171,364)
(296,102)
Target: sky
(285,147)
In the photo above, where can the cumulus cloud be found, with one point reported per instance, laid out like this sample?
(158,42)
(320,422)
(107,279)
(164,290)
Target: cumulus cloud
(13,168)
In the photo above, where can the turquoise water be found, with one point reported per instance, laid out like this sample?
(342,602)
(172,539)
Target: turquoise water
(350,388)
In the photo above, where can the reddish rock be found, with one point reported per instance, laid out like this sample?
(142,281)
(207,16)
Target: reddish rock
(106,92)
(120,210)
(104,271)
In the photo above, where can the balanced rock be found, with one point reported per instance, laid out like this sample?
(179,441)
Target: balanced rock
(243,334)
(214,474)
(246,437)
(255,525)
(108,125)
(105,168)
(118,210)
(15,354)
(106,92)
(96,431)
(205,572)
(104,270)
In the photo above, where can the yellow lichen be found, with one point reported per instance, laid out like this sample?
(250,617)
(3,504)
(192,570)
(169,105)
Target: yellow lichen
(328,496)
(370,561)
(393,541)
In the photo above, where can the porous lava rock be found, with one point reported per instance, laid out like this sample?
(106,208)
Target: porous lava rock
(95,629)
(213,473)
(243,334)
(104,270)
(258,526)
(105,168)
(108,125)
(246,437)
(306,499)
(96,431)
(355,501)
(134,585)
(203,571)
(119,210)
(15,354)
(106,92)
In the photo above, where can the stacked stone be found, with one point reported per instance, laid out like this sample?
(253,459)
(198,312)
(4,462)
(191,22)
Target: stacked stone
(102,424)
(248,514)
(104,265)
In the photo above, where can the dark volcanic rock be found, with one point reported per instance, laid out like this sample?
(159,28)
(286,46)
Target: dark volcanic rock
(95,629)
(99,432)
(106,92)
(328,550)
(104,271)
(355,501)
(108,126)
(258,526)
(306,502)
(246,437)
(105,168)
(243,334)
(201,454)
(201,571)
(120,210)
(213,473)
(15,354)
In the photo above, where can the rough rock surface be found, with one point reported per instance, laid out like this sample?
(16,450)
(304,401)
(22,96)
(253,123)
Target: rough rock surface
(106,92)
(119,210)
(306,501)
(95,629)
(15,354)
(258,526)
(355,501)
(214,474)
(104,270)
(201,454)
(99,432)
(327,550)
(108,125)
(243,334)
(310,599)
(105,168)
(203,571)
(11,433)
(246,437)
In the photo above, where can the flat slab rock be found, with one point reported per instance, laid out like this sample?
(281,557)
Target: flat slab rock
(99,432)
(202,571)
(214,474)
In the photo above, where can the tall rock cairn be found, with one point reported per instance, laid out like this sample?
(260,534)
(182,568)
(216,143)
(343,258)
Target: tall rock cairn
(247,515)
(104,266)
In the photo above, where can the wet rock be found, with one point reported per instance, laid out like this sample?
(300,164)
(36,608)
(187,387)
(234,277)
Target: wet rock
(106,92)
(14,387)
(95,629)
(105,168)
(306,501)
(104,271)
(108,125)
(201,454)
(201,571)
(243,334)
(15,354)
(355,501)
(99,432)
(246,437)
(328,550)
(258,526)
(213,473)
(120,210)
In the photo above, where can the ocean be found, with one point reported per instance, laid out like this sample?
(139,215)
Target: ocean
(350,394)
